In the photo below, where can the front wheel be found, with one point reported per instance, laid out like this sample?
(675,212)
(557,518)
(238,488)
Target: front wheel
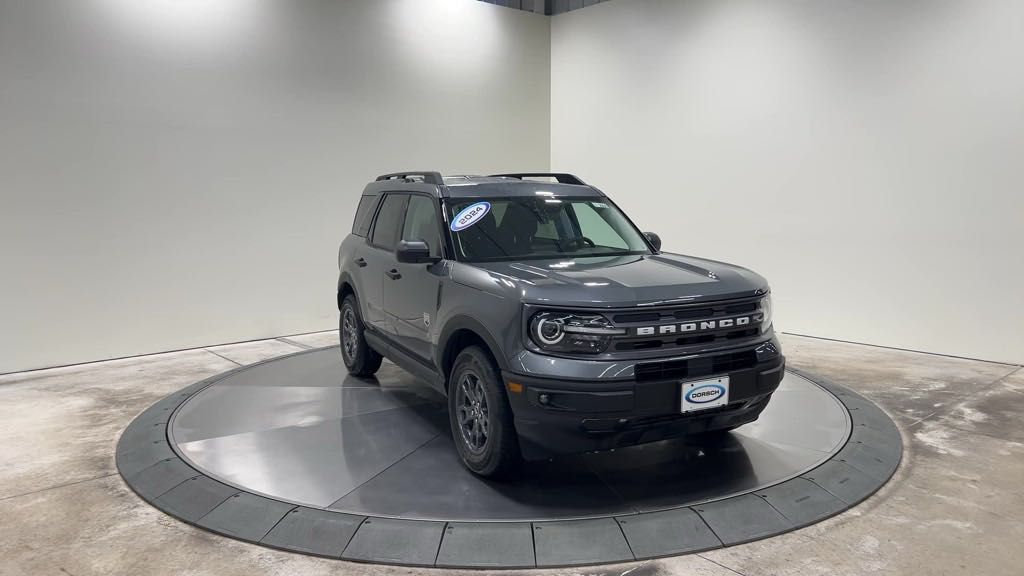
(360,359)
(481,419)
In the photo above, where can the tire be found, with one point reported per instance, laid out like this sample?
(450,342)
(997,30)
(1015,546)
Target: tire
(359,358)
(476,393)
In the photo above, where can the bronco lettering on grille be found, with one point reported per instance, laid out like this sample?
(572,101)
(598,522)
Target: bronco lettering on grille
(691,327)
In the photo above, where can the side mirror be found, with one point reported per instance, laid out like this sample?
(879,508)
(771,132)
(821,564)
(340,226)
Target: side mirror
(414,252)
(654,239)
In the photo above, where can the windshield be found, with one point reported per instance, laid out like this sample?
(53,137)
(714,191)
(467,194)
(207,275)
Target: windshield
(530,228)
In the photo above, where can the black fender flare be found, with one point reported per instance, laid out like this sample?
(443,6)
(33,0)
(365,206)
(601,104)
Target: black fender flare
(346,278)
(465,322)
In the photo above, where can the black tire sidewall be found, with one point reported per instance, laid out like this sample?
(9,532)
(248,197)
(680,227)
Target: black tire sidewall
(364,361)
(502,442)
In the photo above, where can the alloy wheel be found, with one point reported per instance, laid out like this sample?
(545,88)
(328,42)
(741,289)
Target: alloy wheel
(349,336)
(472,412)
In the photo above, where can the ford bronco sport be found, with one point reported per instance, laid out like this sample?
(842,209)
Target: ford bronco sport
(549,321)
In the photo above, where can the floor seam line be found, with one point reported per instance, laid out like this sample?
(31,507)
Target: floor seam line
(720,565)
(636,511)
(58,486)
(710,529)
(945,411)
(870,475)
(919,420)
(533,541)
(290,342)
(1005,376)
(849,505)
(440,541)
(223,357)
(772,506)
(159,353)
(368,480)
(165,492)
(210,511)
(353,537)
(625,538)
(279,520)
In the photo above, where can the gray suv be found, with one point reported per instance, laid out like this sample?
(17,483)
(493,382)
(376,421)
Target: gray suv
(548,320)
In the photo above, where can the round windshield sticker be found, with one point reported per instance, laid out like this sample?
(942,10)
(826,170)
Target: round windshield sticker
(470,215)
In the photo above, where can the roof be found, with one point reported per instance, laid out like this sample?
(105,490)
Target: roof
(469,186)
(496,186)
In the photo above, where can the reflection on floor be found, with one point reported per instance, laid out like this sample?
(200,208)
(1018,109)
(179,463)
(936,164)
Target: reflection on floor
(955,505)
(376,451)
(300,429)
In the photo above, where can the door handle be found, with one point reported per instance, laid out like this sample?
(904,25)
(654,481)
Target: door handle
(361,262)
(394,274)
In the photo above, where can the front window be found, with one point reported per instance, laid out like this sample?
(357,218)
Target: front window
(494,229)
(421,223)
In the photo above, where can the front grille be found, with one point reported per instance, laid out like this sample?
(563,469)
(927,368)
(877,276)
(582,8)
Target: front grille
(679,315)
(686,313)
(653,343)
(695,367)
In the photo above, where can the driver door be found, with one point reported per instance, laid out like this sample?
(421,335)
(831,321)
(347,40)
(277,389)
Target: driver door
(412,292)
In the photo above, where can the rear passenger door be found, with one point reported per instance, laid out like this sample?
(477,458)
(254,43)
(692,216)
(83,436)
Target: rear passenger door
(378,259)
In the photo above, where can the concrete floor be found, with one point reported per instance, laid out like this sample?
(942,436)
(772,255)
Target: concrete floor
(955,506)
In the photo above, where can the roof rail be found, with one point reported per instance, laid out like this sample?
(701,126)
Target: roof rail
(560,177)
(427,176)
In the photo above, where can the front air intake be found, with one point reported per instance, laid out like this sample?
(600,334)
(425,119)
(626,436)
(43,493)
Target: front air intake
(695,367)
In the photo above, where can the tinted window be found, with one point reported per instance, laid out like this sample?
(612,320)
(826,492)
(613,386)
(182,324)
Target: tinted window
(385,230)
(421,223)
(364,215)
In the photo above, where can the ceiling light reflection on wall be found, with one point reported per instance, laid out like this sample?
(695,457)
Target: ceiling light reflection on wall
(473,35)
(188,26)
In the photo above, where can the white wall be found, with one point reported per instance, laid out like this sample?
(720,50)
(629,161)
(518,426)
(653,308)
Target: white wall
(866,157)
(177,173)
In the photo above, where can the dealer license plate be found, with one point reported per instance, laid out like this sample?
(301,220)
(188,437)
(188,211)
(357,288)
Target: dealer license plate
(704,394)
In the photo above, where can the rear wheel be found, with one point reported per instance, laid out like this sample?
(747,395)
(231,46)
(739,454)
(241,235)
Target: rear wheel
(480,416)
(360,359)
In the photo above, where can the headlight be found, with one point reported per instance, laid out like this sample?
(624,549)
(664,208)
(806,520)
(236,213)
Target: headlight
(766,311)
(571,332)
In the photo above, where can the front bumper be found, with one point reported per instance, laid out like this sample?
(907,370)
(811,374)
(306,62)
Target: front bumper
(560,416)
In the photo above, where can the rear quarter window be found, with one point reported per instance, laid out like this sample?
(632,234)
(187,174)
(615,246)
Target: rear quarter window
(389,221)
(364,215)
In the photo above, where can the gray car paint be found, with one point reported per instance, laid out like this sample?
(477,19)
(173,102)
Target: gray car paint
(490,298)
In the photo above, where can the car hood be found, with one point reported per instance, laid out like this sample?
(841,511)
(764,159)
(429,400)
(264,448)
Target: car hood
(619,281)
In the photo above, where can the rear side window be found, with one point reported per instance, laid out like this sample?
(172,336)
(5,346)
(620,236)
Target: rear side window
(389,220)
(364,215)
